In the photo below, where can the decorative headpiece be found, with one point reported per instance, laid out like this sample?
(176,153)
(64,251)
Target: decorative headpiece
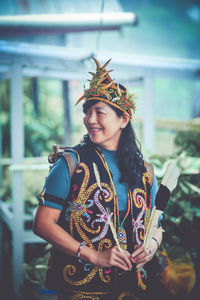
(103,88)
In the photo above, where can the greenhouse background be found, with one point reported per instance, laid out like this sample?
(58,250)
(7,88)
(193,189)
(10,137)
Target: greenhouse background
(45,56)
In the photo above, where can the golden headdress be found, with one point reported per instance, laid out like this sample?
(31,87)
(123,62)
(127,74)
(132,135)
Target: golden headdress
(103,88)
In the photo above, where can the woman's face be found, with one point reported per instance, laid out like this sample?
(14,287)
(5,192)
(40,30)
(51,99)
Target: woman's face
(103,125)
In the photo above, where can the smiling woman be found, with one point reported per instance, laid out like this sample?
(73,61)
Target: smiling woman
(102,197)
(104,125)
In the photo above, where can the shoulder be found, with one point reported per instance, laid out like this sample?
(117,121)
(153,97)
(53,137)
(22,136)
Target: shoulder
(70,156)
(150,170)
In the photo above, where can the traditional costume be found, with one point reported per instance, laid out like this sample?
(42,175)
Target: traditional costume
(84,212)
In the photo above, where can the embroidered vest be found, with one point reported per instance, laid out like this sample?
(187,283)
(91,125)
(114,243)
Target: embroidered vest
(84,216)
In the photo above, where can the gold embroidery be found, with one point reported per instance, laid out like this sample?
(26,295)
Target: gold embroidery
(90,293)
(127,294)
(138,200)
(71,270)
(145,180)
(79,207)
(81,296)
(140,273)
(77,222)
(111,195)
(142,235)
(102,244)
(113,188)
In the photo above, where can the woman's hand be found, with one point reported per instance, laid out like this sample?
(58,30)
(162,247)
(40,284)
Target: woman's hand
(112,257)
(141,255)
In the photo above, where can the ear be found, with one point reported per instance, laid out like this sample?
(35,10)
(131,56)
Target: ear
(125,119)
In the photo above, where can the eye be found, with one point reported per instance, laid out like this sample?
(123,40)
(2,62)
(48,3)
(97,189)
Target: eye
(99,112)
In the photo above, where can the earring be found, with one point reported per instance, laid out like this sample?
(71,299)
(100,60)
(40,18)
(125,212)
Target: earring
(122,126)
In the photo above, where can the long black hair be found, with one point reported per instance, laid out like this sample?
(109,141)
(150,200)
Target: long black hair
(129,155)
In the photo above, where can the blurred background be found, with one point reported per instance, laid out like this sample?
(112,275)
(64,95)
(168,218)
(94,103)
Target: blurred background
(45,55)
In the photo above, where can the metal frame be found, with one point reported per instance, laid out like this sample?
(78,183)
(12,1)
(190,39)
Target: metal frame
(64,23)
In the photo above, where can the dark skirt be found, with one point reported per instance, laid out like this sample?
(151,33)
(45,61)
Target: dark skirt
(124,288)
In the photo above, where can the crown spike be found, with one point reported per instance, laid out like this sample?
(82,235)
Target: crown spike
(80,99)
(105,73)
(93,74)
(107,85)
(104,66)
(97,63)
(102,79)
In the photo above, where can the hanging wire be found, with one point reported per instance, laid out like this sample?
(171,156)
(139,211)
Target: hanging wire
(101,25)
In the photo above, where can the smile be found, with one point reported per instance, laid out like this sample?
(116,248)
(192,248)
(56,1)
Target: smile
(94,130)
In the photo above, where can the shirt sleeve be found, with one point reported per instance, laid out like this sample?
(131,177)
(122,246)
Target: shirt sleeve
(154,189)
(57,185)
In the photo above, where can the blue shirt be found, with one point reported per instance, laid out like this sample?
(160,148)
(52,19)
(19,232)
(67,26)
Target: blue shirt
(58,183)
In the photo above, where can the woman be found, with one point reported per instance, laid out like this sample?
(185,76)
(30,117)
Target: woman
(76,205)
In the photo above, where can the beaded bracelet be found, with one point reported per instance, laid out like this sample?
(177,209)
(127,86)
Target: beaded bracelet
(78,254)
(156,242)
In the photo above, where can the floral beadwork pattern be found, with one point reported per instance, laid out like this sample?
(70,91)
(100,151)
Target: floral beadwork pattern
(86,220)
(138,223)
(141,202)
(91,227)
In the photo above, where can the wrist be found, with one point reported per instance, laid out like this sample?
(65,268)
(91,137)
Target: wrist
(88,255)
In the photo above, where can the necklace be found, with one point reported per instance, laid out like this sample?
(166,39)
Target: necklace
(121,233)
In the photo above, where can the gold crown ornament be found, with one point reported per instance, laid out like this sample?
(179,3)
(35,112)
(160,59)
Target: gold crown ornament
(103,88)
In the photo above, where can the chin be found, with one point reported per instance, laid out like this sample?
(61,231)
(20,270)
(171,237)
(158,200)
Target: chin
(95,141)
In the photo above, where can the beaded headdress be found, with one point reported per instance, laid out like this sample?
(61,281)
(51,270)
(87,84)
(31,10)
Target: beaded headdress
(103,88)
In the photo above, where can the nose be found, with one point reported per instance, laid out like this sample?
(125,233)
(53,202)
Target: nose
(92,118)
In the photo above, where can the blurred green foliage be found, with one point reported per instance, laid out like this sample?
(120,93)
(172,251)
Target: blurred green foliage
(181,219)
(42,129)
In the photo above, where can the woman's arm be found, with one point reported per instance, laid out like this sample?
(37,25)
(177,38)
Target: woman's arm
(45,225)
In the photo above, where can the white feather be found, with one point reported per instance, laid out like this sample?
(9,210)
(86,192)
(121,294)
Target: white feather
(97,176)
(169,180)
(170,177)
(113,230)
(152,226)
